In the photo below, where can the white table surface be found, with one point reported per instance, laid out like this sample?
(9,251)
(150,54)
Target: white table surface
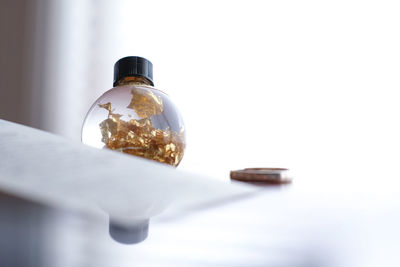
(279,226)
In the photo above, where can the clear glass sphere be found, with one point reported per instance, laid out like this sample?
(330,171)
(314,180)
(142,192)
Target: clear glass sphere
(139,120)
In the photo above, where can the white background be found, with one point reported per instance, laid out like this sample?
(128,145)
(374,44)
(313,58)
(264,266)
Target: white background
(297,84)
(307,85)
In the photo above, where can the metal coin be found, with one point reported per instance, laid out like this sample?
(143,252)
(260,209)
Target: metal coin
(262,175)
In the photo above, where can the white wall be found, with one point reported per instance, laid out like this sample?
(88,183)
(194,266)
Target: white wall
(301,84)
(306,85)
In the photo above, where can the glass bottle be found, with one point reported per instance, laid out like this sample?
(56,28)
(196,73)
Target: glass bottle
(136,118)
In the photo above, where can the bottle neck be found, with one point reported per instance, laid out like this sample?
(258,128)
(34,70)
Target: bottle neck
(134,80)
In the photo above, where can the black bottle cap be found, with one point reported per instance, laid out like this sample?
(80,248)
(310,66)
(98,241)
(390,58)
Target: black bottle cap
(133,66)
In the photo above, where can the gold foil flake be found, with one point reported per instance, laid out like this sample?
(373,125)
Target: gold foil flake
(172,145)
(108,128)
(140,138)
(106,106)
(145,103)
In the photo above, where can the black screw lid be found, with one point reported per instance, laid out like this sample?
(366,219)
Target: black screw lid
(133,66)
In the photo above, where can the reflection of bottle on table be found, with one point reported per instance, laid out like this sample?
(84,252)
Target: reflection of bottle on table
(134,233)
